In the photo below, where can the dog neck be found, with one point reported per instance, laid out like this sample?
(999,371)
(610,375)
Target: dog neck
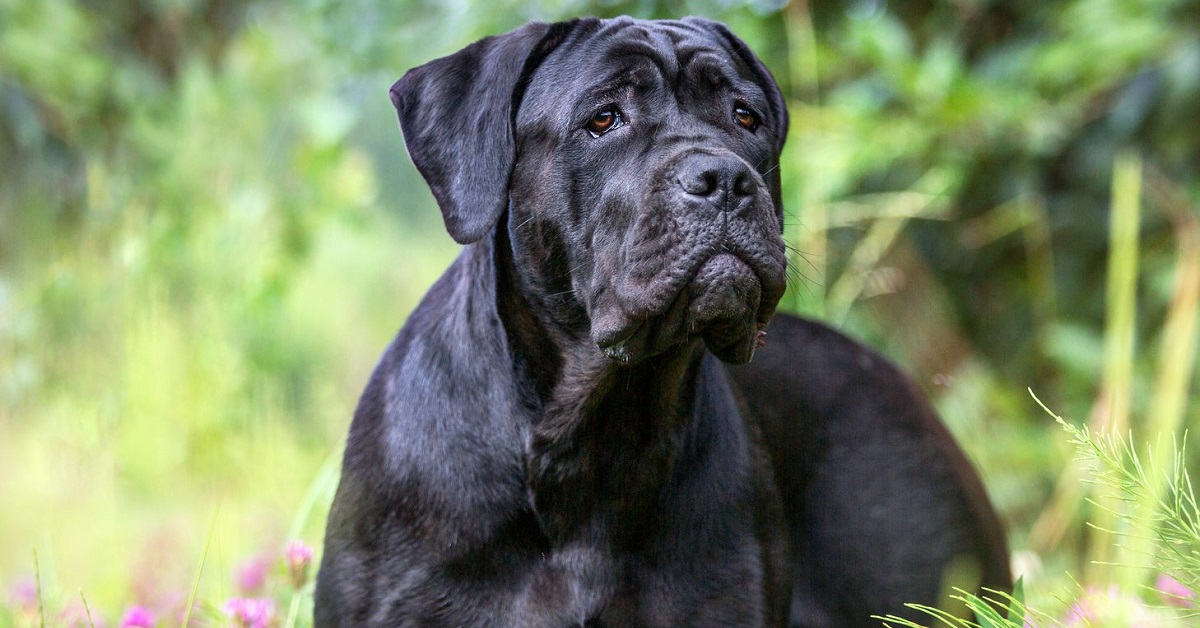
(604,437)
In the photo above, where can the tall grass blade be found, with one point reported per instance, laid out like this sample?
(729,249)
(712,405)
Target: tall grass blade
(1176,366)
(1119,329)
(212,526)
(293,610)
(87,609)
(926,196)
(323,483)
(37,575)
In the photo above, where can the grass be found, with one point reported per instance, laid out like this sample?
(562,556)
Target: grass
(180,355)
(192,467)
(1145,521)
(1148,496)
(104,479)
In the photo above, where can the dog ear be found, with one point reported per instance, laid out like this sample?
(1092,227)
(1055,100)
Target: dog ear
(457,114)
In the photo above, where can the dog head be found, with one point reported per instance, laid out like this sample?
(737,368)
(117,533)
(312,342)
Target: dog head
(636,164)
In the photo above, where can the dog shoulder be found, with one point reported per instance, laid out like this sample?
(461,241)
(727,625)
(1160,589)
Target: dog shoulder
(436,426)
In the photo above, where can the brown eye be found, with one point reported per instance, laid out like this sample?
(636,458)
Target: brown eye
(745,117)
(604,121)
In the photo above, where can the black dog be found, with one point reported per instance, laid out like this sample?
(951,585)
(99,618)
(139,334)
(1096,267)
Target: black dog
(552,439)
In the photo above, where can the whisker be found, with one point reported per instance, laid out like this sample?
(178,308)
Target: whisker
(807,257)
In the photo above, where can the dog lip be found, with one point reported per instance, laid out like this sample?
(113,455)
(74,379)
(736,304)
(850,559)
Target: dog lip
(617,348)
(619,352)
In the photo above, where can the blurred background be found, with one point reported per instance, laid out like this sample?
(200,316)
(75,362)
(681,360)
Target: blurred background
(209,231)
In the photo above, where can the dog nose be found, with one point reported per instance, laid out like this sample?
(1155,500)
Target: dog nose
(717,178)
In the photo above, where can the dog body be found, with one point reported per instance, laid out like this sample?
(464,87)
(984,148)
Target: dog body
(553,440)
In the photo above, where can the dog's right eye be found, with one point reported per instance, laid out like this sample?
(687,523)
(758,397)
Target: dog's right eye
(604,121)
(745,117)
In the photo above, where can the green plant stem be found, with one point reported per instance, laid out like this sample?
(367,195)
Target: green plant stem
(37,574)
(926,197)
(212,526)
(1121,308)
(323,484)
(1176,365)
(87,609)
(293,610)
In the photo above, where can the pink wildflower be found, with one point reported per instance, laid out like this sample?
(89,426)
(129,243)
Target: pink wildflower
(251,612)
(1110,607)
(298,557)
(1080,614)
(251,575)
(138,617)
(24,593)
(1175,592)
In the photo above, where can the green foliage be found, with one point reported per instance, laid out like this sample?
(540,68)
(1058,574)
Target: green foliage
(1172,523)
(192,289)
(209,230)
(1172,519)
(991,609)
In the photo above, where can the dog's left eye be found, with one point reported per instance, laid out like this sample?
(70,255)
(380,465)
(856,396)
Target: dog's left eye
(604,121)
(745,117)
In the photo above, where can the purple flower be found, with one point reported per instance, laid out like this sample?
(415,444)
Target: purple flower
(24,593)
(1110,607)
(251,575)
(1080,614)
(298,557)
(251,612)
(1174,592)
(138,617)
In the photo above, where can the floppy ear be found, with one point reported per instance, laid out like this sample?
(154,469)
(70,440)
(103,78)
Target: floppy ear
(456,114)
(775,100)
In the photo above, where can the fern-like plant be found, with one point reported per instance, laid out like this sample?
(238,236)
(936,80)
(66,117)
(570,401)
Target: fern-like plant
(1168,518)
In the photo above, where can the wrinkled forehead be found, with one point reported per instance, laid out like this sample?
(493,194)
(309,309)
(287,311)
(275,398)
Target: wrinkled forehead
(628,54)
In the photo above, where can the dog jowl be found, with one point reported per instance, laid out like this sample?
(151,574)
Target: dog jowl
(560,436)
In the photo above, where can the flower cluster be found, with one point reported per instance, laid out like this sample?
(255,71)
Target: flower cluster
(138,617)
(251,612)
(1174,592)
(253,607)
(298,556)
(1112,607)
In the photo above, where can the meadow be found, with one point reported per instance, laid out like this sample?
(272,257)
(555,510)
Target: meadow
(209,231)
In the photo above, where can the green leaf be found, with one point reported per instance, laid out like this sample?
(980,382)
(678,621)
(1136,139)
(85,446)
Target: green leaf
(1016,612)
